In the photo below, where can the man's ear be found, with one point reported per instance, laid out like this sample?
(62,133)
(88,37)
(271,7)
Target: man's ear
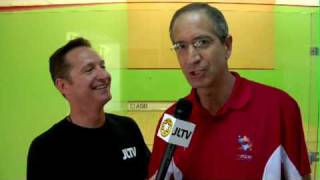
(62,86)
(228,46)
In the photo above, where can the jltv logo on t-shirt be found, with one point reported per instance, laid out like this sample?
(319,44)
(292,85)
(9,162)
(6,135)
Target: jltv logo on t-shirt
(129,153)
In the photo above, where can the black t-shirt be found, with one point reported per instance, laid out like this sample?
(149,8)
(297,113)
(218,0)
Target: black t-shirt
(67,151)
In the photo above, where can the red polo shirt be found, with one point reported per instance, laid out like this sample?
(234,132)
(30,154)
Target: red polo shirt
(257,134)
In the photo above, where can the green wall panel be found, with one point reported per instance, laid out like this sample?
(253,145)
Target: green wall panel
(154,85)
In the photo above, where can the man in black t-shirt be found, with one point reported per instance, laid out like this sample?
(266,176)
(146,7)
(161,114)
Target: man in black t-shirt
(88,143)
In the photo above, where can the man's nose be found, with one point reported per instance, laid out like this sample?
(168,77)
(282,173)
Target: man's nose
(103,74)
(193,55)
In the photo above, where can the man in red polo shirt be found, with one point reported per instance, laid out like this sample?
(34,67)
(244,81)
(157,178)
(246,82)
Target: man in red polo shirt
(244,130)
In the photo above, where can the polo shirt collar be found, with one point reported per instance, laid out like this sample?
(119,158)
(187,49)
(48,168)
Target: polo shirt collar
(240,96)
(241,93)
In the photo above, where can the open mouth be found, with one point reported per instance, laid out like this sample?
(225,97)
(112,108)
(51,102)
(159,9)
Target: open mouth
(102,86)
(196,74)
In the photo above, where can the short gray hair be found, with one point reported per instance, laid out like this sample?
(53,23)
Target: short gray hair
(214,14)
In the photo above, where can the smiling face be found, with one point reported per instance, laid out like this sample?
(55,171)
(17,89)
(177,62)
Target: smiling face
(201,54)
(89,82)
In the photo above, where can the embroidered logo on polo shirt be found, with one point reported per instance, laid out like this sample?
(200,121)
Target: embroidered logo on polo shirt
(166,127)
(245,148)
(129,153)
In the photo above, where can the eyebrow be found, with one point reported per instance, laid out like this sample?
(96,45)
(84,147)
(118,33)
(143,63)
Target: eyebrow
(196,38)
(202,37)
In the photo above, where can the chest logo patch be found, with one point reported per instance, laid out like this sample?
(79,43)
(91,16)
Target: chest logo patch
(245,143)
(129,153)
(245,148)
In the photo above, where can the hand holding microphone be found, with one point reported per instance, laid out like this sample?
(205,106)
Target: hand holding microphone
(175,130)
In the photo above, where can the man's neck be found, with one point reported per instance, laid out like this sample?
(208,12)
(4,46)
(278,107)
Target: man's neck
(214,97)
(87,117)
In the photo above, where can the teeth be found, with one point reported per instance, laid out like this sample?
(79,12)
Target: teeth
(101,87)
(195,73)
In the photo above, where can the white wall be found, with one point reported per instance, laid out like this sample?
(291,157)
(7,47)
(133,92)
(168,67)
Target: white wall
(51,2)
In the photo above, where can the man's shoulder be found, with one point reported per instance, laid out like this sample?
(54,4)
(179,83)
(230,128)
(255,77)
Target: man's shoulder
(121,122)
(54,131)
(123,127)
(47,139)
(118,119)
(269,92)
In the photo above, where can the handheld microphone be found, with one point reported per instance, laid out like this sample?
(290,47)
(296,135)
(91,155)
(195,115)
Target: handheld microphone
(175,131)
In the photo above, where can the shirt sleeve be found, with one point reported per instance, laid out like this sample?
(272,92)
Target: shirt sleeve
(292,136)
(36,168)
